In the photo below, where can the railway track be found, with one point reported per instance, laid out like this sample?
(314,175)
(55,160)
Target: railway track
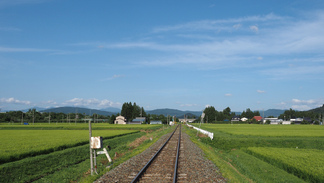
(192,165)
(163,166)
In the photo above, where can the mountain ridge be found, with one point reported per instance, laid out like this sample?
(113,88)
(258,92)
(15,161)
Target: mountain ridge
(164,111)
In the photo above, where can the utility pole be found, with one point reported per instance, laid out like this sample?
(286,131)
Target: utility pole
(91,158)
(33,116)
(22,117)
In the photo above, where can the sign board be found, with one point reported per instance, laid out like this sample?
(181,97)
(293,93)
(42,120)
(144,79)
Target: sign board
(96,142)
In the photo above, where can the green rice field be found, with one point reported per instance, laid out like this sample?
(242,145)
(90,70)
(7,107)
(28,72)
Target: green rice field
(266,153)
(269,130)
(17,144)
(59,152)
(307,163)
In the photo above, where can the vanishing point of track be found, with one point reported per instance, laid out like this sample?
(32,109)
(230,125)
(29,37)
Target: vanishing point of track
(162,167)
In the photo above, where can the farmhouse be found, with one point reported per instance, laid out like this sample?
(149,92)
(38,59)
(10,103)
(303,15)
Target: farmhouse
(120,120)
(297,121)
(258,118)
(236,118)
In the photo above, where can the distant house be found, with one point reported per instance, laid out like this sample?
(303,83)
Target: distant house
(273,121)
(286,122)
(236,118)
(138,120)
(244,119)
(156,122)
(120,120)
(258,118)
(186,120)
(308,119)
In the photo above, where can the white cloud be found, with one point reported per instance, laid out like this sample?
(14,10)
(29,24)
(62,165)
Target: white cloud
(281,37)
(221,24)
(302,105)
(228,95)
(298,101)
(91,103)
(237,26)
(115,77)
(254,28)
(14,101)
(7,49)
(188,105)
(6,3)
(260,91)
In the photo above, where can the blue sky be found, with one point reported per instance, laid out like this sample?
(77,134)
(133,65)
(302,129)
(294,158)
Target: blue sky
(162,54)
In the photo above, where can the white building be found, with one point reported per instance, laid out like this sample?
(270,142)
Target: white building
(244,119)
(273,121)
(156,122)
(120,120)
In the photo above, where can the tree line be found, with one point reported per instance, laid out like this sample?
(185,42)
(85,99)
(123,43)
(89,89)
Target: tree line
(293,114)
(34,116)
(131,111)
(212,115)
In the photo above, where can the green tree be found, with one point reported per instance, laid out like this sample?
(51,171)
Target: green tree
(210,113)
(112,119)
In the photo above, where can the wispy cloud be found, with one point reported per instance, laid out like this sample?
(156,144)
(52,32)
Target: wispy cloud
(228,95)
(116,76)
(222,24)
(9,29)
(80,102)
(6,3)
(188,105)
(260,91)
(282,38)
(14,101)
(7,49)
(302,105)
(254,28)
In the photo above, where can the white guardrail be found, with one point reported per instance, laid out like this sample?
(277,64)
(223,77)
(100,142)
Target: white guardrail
(210,135)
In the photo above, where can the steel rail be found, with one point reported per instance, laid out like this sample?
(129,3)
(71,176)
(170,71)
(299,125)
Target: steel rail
(138,176)
(177,158)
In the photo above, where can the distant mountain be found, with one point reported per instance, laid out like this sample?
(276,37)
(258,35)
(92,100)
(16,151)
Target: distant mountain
(318,110)
(272,112)
(37,109)
(180,114)
(111,109)
(24,110)
(174,112)
(86,111)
